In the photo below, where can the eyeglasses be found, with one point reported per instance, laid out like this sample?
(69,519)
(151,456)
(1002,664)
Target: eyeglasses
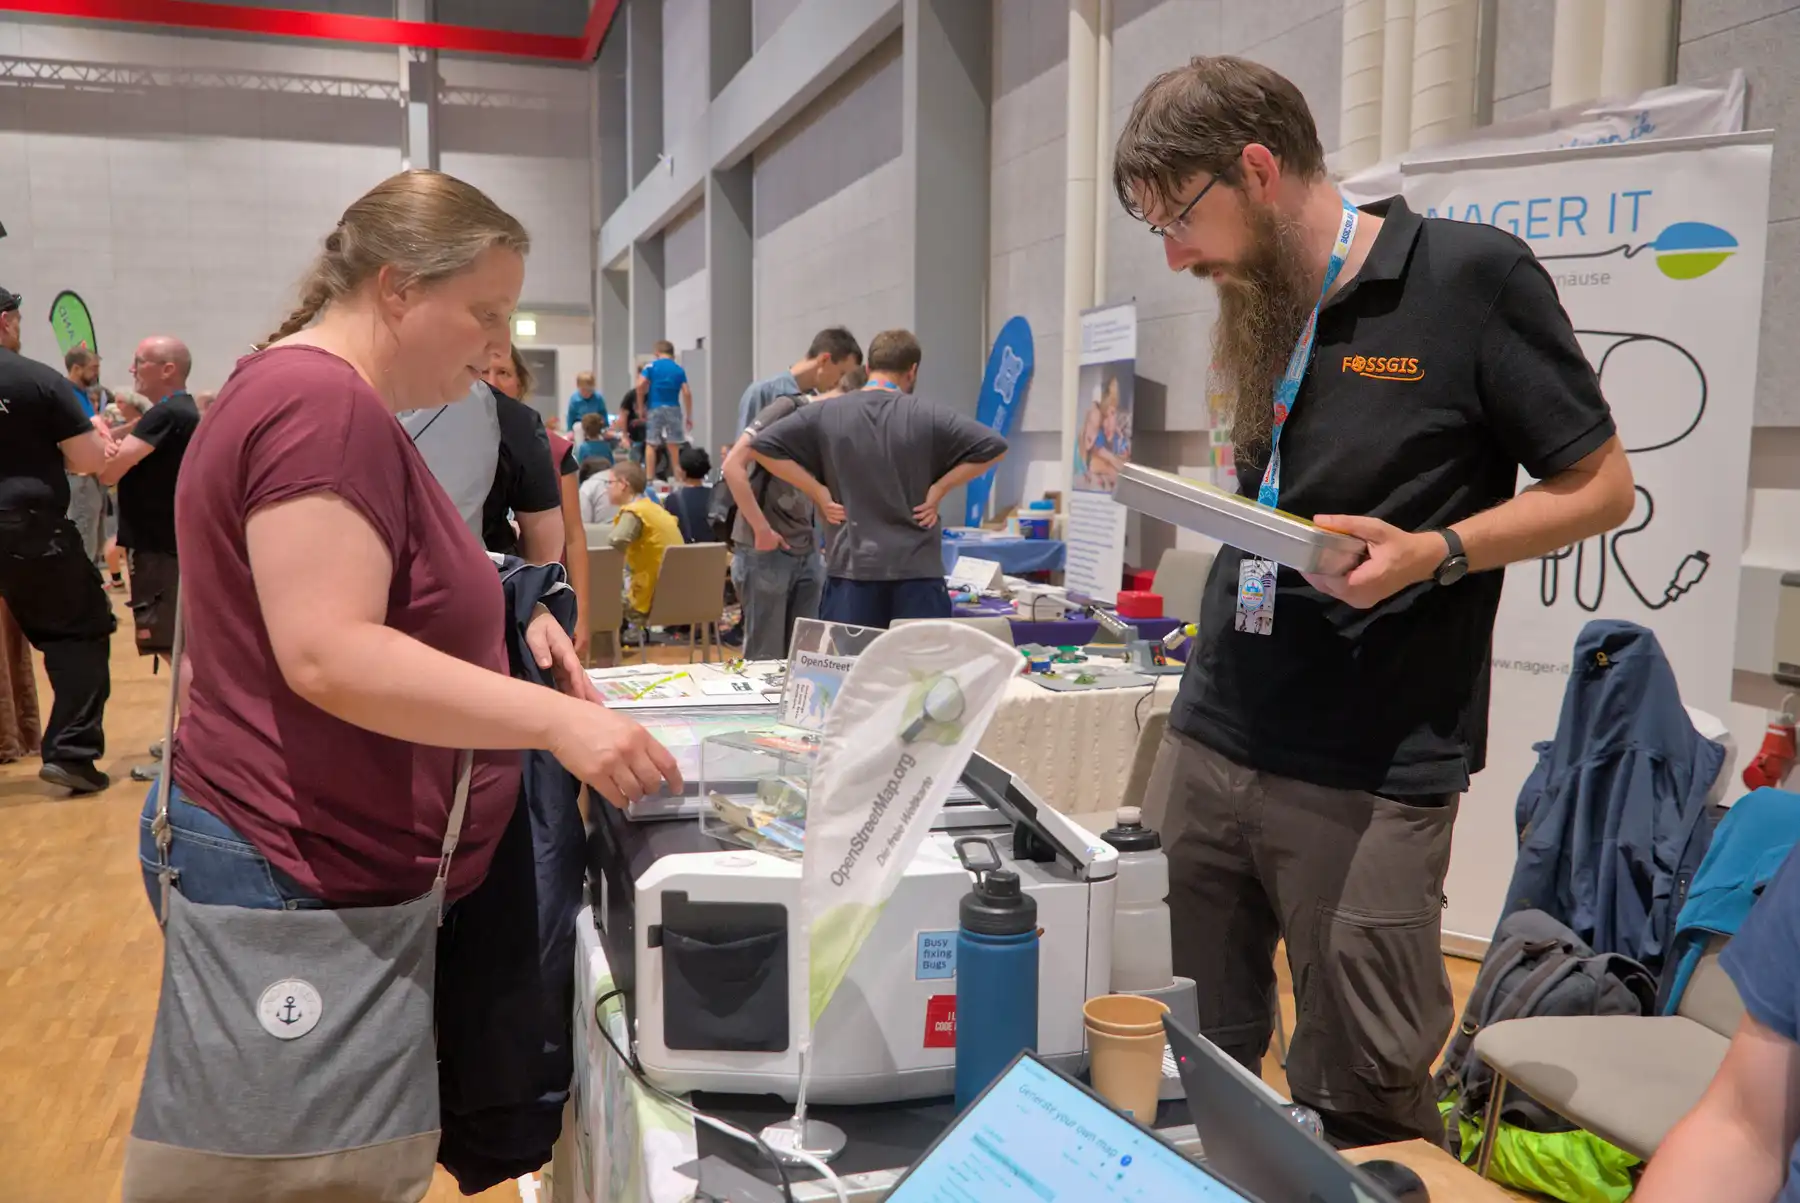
(1177,225)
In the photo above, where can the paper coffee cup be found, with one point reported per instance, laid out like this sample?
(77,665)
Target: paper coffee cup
(1125,1051)
(1127,1071)
(1124,1014)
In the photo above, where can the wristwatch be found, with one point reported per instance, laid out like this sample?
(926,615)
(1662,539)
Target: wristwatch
(1455,565)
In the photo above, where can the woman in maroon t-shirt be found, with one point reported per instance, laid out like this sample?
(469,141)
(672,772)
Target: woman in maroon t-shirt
(344,627)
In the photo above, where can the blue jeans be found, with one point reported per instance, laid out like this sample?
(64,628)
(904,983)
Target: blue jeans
(776,588)
(213,864)
(879,603)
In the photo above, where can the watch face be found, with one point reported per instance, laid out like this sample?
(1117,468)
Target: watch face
(1452,570)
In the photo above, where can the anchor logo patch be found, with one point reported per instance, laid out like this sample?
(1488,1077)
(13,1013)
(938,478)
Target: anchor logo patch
(289,1009)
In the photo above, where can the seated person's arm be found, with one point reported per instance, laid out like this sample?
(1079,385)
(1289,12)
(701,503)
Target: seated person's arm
(130,452)
(625,531)
(1734,1146)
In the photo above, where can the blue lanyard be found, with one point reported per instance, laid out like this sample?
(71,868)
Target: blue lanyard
(1287,389)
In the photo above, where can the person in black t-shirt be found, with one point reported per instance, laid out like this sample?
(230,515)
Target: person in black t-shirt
(526,482)
(1327,725)
(147,462)
(145,466)
(46,578)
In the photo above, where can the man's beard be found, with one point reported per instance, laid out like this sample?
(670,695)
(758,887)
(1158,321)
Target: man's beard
(1264,301)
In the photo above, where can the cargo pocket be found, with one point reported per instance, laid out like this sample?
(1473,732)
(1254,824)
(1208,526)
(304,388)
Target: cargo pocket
(725,976)
(1382,999)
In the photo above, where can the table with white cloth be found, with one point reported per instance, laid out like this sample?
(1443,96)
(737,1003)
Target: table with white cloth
(1075,748)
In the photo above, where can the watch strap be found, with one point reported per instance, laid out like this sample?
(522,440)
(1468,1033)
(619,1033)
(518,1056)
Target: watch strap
(1454,543)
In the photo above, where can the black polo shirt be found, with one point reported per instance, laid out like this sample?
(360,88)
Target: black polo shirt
(38,410)
(1443,367)
(147,490)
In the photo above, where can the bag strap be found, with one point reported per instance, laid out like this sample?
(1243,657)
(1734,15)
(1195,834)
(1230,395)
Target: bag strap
(159,826)
(164,836)
(465,771)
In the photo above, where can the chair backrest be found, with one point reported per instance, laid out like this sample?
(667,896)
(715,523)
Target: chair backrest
(691,586)
(598,534)
(1711,998)
(1181,581)
(1149,740)
(606,585)
(999,628)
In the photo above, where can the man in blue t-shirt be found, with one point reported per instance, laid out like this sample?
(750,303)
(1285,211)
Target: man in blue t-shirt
(668,406)
(1738,1144)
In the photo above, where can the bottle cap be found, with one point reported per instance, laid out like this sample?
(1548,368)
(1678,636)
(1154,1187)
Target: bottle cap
(998,906)
(1131,835)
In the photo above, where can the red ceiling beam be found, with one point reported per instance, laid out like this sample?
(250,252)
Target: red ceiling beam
(330,27)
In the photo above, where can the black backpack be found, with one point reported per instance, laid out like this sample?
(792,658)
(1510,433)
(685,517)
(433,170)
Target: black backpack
(1536,966)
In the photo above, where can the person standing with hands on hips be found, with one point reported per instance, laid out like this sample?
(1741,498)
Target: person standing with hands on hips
(1327,726)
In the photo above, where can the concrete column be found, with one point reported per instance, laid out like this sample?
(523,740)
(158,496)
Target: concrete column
(612,327)
(644,86)
(611,184)
(1638,52)
(419,84)
(648,313)
(1080,175)
(1396,77)
(730,300)
(946,66)
(1575,51)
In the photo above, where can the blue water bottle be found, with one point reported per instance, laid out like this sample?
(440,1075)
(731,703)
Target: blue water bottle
(996,973)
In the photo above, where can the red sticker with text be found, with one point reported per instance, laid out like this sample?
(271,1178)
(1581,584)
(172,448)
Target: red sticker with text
(940,1021)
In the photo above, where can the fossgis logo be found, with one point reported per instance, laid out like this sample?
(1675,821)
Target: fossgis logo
(1385,367)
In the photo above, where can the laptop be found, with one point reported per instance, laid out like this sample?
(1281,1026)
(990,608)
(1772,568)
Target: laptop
(1251,1141)
(1037,1136)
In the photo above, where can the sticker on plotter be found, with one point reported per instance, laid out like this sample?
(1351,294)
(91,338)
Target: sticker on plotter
(936,959)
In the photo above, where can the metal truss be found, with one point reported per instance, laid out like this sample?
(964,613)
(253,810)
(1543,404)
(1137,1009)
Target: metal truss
(68,75)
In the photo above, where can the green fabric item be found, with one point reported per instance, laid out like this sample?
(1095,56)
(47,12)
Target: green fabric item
(1576,1167)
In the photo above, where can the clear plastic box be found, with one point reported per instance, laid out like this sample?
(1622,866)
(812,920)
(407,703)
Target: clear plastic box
(755,785)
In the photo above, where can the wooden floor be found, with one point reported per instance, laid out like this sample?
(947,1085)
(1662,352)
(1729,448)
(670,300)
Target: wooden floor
(80,957)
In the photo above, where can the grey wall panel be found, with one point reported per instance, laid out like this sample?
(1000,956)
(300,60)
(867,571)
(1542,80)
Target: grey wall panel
(685,67)
(685,279)
(1522,54)
(684,246)
(1764,39)
(822,40)
(562,18)
(848,132)
(110,194)
(767,16)
(839,263)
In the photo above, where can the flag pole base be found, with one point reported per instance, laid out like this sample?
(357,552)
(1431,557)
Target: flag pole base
(812,1136)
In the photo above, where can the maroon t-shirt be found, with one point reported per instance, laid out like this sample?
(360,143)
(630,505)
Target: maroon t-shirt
(354,817)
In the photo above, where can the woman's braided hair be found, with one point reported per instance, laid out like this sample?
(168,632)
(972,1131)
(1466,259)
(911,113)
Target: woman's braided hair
(426,224)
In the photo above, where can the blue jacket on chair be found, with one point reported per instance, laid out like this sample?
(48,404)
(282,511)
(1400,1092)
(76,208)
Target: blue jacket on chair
(1752,841)
(1612,821)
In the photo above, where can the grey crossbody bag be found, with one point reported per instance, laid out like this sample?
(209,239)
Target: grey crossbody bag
(294,1056)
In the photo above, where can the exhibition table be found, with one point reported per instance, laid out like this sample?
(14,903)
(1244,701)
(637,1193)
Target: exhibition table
(1015,556)
(1058,632)
(622,1145)
(1074,748)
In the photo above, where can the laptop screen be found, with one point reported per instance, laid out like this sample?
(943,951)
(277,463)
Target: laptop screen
(1037,1137)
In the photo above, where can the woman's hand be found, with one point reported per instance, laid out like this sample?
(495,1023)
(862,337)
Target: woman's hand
(552,649)
(613,754)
